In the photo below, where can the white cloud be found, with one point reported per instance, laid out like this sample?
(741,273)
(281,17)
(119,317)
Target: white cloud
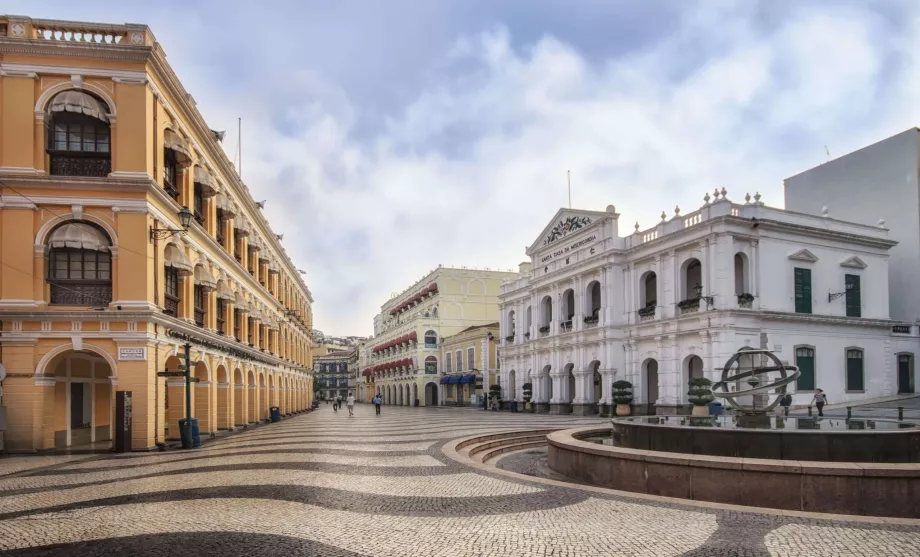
(469,170)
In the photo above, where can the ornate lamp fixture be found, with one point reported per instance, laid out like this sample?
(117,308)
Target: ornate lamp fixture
(699,294)
(185,219)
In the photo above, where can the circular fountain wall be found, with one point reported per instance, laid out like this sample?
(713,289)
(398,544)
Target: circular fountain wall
(773,437)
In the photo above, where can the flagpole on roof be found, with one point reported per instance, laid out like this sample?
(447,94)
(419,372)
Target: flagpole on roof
(569,176)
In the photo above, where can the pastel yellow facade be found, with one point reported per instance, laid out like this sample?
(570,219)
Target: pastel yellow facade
(405,356)
(101,283)
(469,358)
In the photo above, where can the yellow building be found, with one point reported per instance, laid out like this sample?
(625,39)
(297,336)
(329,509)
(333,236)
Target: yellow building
(101,148)
(405,355)
(469,365)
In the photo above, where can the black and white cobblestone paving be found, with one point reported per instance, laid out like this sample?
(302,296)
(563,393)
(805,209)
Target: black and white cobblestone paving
(328,485)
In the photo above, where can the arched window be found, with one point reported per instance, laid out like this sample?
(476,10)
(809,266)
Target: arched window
(80,265)
(648,295)
(568,306)
(546,313)
(447,363)
(593,302)
(431,364)
(692,279)
(431,339)
(78,135)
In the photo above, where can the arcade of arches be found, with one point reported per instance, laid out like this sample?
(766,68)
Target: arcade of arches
(72,395)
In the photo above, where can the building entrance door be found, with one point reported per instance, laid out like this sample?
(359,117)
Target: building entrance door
(905,385)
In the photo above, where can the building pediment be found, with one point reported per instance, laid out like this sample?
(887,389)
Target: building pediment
(853,263)
(564,223)
(803,255)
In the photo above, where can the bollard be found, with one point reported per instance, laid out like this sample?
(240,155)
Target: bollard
(849,412)
(900,413)
(809,411)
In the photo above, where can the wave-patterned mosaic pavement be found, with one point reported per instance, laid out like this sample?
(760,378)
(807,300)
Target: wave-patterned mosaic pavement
(327,484)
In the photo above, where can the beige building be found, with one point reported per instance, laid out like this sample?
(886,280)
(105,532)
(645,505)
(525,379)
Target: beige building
(470,365)
(405,357)
(125,234)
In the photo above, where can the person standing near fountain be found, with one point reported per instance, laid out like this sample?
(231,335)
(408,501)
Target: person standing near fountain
(820,399)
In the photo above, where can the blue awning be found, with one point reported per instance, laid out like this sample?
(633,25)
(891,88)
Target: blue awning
(453,379)
(445,380)
(466,379)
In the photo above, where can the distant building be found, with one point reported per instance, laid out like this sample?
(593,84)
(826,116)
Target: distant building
(324,344)
(470,365)
(406,353)
(331,374)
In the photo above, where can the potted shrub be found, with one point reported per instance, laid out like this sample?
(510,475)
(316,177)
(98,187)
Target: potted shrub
(528,394)
(700,395)
(622,395)
(745,300)
(495,395)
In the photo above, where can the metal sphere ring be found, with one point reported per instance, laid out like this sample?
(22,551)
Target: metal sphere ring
(778,387)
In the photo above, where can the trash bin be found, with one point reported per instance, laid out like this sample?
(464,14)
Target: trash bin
(275,413)
(715,408)
(195,441)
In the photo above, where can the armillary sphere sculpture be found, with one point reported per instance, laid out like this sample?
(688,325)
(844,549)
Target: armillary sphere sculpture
(752,366)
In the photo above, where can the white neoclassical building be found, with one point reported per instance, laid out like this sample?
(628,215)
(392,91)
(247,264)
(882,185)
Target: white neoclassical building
(659,306)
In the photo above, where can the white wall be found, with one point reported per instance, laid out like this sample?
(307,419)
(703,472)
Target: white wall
(878,181)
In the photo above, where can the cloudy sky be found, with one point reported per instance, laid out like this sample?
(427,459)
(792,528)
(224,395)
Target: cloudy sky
(390,136)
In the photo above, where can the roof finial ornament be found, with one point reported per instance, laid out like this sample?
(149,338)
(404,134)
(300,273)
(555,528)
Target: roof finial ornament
(664,216)
(724,193)
(715,193)
(706,198)
(825,211)
(637,227)
(757,197)
(881,223)
(676,210)
(747,198)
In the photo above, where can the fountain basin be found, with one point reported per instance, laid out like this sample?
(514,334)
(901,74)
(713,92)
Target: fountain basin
(875,489)
(773,437)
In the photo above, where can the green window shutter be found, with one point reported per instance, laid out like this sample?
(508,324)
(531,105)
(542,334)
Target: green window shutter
(802,290)
(805,361)
(854,297)
(855,370)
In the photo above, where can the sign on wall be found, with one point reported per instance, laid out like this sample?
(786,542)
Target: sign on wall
(132,354)
(568,249)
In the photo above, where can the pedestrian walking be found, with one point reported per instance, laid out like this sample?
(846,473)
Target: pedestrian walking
(377,402)
(350,404)
(820,399)
(785,403)
(335,406)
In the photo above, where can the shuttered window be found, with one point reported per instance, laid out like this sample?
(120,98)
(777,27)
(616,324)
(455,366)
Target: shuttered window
(805,361)
(854,298)
(802,290)
(855,370)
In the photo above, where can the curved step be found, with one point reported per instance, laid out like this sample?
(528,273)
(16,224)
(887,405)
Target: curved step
(495,453)
(491,446)
(503,435)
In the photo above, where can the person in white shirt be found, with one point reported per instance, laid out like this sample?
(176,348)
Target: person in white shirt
(350,403)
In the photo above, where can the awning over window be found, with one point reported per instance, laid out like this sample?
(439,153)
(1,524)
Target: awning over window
(204,278)
(226,205)
(209,187)
(241,226)
(445,380)
(453,379)
(177,259)
(467,379)
(176,144)
(241,303)
(224,292)
(79,103)
(79,236)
